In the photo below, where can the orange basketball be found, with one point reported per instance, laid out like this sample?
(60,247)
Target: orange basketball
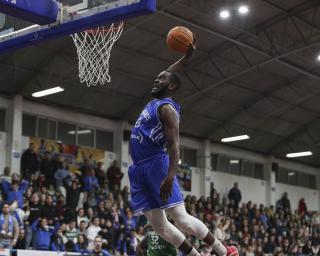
(180,39)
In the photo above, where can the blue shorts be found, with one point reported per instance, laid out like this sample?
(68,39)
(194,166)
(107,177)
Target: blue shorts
(145,180)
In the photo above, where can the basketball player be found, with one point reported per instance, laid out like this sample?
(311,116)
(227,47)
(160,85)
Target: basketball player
(155,153)
(155,245)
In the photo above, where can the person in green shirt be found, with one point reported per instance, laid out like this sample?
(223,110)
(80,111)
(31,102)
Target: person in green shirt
(155,245)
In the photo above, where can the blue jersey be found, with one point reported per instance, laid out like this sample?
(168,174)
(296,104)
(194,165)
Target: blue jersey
(148,135)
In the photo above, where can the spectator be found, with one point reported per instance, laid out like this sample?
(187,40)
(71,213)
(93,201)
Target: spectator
(49,210)
(234,195)
(72,232)
(283,203)
(29,163)
(42,234)
(302,208)
(15,191)
(21,240)
(82,245)
(97,249)
(57,243)
(100,174)
(114,175)
(42,149)
(48,168)
(9,228)
(92,232)
(61,174)
(6,175)
(35,212)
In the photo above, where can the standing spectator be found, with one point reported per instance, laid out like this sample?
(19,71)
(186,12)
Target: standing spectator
(93,231)
(73,196)
(42,234)
(61,174)
(114,175)
(9,228)
(15,191)
(283,203)
(100,174)
(72,232)
(234,195)
(49,210)
(302,208)
(35,212)
(29,163)
(47,168)
(42,149)
(97,249)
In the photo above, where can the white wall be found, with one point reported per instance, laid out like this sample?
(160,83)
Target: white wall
(296,193)
(251,189)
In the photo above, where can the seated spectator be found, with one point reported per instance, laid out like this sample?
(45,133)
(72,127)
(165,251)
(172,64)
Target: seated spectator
(57,243)
(6,175)
(72,232)
(49,210)
(82,245)
(21,240)
(42,234)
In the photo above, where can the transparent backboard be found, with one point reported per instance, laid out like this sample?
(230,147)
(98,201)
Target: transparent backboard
(74,16)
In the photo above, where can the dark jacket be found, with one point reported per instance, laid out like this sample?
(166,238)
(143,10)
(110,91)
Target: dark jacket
(29,164)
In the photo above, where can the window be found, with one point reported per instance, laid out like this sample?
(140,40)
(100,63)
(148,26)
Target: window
(104,140)
(67,133)
(258,171)
(214,161)
(47,129)
(28,125)
(85,136)
(189,156)
(247,169)
(235,166)
(2,120)
(223,163)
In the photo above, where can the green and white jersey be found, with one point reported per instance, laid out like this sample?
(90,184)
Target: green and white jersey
(158,246)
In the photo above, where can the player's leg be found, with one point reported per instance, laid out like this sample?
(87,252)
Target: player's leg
(160,224)
(194,226)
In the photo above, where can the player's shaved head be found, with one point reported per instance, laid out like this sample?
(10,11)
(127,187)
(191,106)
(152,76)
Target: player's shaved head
(174,78)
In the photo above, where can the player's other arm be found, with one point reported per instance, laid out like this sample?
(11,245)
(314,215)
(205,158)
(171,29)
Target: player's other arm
(181,63)
(169,118)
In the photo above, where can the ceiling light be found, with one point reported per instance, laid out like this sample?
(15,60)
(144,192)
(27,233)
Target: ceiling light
(235,138)
(80,132)
(243,9)
(224,14)
(291,174)
(299,154)
(234,161)
(318,57)
(47,92)
(180,161)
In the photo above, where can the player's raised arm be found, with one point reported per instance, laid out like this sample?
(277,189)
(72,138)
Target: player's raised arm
(181,63)
(168,117)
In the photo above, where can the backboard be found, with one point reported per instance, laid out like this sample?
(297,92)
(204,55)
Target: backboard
(74,16)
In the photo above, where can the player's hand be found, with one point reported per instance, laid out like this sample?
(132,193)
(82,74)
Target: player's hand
(166,188)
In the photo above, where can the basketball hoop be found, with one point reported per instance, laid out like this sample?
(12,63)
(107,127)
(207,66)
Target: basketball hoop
(94,50)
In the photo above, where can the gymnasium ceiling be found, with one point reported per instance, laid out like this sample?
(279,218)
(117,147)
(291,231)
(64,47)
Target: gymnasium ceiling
(254,75)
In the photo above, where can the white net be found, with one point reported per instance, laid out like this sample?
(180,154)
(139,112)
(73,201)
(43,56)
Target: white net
(94,50)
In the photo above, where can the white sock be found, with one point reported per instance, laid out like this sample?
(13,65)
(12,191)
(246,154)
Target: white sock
(219,248)
(193,252)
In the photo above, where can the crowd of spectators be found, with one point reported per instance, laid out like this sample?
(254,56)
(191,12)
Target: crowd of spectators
(50,207)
